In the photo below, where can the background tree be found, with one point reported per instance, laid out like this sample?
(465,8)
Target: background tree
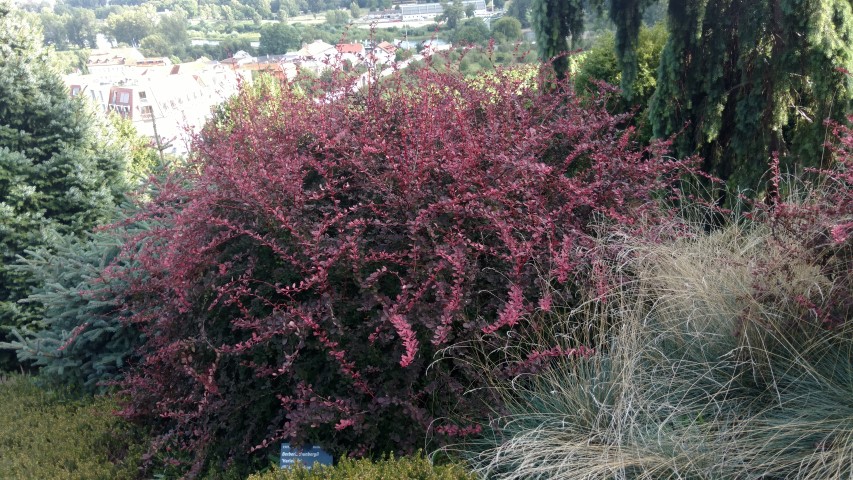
(58,175)
(469,10)
(173,28)
(337,17)
(472,31)
(155,46)
(90,4)
(54,29)
(130,25)
(288,8)
(261,7)
(82,28)
(506,29)
(69,26)
(189,7)
(278,38)
(452,14)
(69,61)
(520,9)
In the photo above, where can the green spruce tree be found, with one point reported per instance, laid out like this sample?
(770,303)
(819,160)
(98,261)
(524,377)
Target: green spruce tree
(59,175)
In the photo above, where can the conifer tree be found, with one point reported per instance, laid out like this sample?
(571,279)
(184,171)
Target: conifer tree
(739,80)
(58,174)
(559,22)
(82,342)
(627,15)
(556,23)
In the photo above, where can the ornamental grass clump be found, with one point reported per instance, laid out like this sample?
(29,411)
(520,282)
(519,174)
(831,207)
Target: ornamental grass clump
(317,251)
(730,356)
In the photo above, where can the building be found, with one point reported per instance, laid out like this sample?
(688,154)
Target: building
(172,100)
(384,52)
(239,59)
(317,50)
(383,15)
(282,67)
(428,11)
(352,53)
(350,48)
(113,63)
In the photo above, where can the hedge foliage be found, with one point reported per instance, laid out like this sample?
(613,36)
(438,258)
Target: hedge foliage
(48,435)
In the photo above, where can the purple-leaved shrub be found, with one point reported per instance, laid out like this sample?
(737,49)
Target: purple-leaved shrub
(316,253)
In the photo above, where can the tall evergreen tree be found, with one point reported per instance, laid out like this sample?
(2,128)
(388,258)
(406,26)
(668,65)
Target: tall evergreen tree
(560,22)
(58,175)
(627,15)
(745,79)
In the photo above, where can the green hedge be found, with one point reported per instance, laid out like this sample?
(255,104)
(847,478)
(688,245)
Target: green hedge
(44,435)
(411,468)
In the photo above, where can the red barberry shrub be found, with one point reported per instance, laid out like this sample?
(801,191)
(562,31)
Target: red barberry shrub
(814,224)
(317,252)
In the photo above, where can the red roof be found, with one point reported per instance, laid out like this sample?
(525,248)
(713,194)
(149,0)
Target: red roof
(388,47)
(349,48)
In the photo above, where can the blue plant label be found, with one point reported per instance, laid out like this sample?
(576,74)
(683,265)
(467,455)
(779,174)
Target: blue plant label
(308,456)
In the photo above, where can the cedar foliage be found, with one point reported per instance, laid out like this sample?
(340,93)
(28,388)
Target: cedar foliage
(557,21)
(742,80)
(554,21)
(627,15)
(738,81)
(318,252)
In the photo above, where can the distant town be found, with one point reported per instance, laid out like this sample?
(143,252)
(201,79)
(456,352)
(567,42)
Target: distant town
(164,70)
(169,102)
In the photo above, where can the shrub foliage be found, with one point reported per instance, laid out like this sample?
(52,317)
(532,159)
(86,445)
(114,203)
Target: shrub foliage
(318,252)
(406,468)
